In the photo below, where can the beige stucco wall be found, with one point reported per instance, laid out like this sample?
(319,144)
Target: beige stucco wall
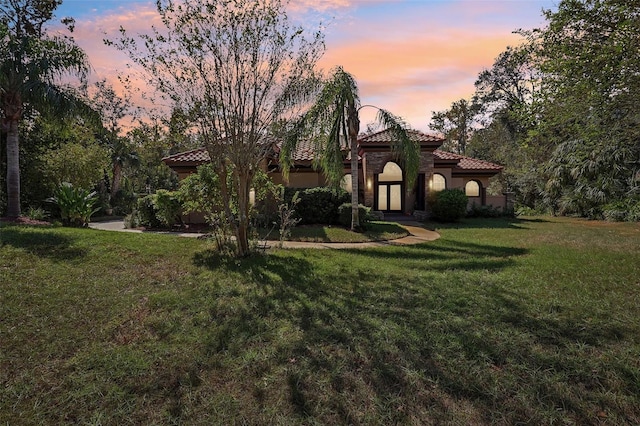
(496,201)
(461,181)
(306,179)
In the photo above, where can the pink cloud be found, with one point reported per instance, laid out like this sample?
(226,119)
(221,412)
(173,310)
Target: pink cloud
(412,59)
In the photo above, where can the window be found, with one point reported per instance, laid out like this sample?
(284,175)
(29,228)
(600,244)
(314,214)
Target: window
(438,182)
(472,189)
(345,183)
(391,173)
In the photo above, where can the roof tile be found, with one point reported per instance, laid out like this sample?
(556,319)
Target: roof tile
(386,137)
(305,152)
(466,163)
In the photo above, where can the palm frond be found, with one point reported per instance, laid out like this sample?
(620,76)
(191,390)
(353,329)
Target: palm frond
(404,148)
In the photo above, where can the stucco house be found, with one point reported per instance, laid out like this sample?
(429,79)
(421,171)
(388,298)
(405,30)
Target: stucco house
(383,185)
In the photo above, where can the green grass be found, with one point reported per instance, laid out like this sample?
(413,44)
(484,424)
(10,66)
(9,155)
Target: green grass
(498,322)
(376,231)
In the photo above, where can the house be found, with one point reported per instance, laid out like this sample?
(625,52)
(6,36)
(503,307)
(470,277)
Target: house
(383,185)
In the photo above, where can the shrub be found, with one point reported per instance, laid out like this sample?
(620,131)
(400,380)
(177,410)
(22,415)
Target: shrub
(633,214)
(146,212)
(450,205)
(160,209)
(528,211)
(615,212)
(484,211)
(132,220)
(622,210)
(344,215)
(36,213)
(76,205)
(317,205)
(123,202)
(167,207)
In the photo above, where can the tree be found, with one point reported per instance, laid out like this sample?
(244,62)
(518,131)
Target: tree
(589,57)
(31,64)
(112,109)
(507,96)
(237,67)
(456,125)
(333,123)
(508,90)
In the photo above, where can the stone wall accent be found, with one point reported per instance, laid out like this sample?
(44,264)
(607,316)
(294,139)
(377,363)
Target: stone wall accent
(375,162)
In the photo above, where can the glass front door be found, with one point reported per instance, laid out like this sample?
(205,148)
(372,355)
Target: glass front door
(390,197)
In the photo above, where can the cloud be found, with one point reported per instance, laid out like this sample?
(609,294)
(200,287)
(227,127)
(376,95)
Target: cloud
(411,57)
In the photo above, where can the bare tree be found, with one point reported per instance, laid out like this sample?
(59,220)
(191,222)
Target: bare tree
(239,67)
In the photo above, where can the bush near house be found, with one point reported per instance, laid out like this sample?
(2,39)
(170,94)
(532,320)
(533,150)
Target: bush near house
(450,205)
(317,205)
(344,215)
(485,211)
(157,210)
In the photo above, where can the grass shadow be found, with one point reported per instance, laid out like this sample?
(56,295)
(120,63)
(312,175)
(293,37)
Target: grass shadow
(486,223)
(450,255)
(358,340)
(40,242)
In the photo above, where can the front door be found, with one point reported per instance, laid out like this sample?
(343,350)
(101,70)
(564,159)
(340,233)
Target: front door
(390,197)
(390,188)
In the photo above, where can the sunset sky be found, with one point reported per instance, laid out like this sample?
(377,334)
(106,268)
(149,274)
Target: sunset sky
(411,57)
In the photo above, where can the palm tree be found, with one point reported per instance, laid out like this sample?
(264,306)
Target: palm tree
(332,123)
(121,155)
(31,66)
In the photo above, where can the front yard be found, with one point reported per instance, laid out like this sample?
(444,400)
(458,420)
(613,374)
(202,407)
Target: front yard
(532,321)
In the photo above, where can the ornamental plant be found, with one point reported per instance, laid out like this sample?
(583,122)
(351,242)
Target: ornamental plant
(76,205)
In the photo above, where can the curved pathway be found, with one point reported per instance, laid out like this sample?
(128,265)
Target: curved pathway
(418,235)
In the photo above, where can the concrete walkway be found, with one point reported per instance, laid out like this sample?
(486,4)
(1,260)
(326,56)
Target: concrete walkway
(418,235)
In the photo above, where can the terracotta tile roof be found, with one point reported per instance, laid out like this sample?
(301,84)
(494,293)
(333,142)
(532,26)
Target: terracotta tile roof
(195,157)
(305,153)
(386,137)
(465,163)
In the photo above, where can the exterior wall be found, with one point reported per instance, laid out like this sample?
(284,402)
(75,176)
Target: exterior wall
(497,201)
(460,182)
(373,165)
(305,179)
(183,175)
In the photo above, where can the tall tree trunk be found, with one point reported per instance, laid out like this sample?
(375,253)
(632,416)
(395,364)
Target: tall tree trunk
(242,231)
(13,168)
(353,123)
(117,178)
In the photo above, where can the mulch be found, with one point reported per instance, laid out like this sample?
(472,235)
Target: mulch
(22,220)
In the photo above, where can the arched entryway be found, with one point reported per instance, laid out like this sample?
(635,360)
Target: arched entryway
(390,189)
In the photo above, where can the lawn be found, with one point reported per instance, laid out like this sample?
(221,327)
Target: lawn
(533,321)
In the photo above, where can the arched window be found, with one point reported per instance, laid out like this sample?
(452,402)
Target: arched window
(472,189)
(391,173)
(438,182)
(345,183)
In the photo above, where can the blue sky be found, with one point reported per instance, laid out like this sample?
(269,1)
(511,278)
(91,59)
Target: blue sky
(412,57)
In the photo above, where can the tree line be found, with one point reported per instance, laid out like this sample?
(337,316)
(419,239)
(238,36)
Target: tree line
(559,111)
